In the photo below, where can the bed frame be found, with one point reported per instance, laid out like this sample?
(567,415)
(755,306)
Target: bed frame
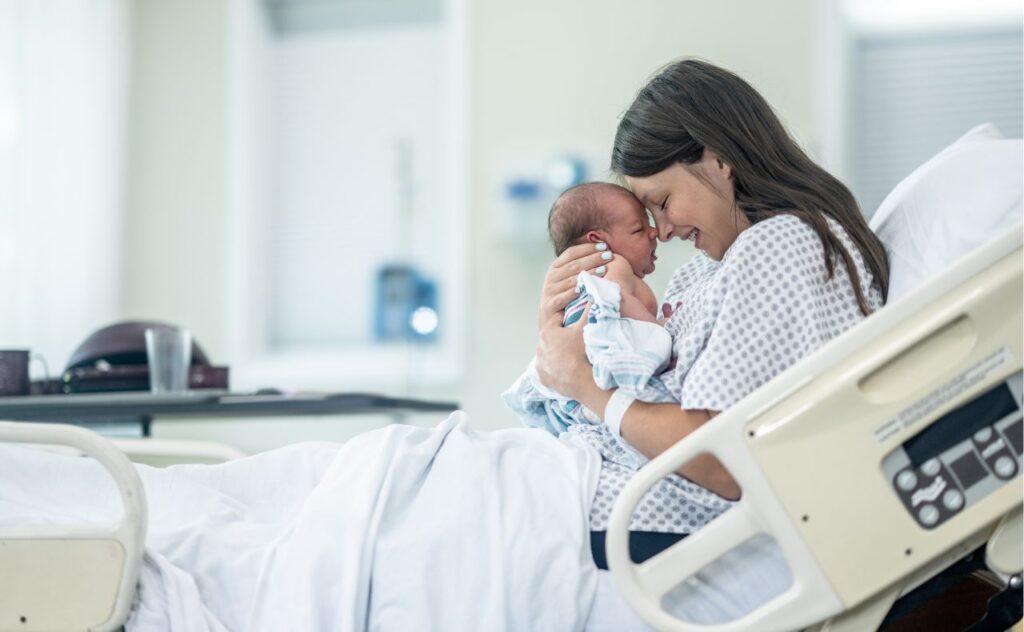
(73,578)
(821,451)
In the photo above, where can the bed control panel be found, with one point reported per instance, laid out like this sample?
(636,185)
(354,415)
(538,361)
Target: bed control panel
(961,457)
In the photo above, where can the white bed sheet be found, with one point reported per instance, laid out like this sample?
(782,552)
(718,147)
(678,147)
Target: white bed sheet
(401,528)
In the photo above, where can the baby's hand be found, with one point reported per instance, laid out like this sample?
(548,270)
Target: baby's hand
(667,310)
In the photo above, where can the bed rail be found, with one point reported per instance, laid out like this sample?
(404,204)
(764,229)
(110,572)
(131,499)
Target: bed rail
(817,453)
(73,577)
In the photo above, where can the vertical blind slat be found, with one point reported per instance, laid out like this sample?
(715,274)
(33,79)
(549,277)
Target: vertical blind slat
(911,95)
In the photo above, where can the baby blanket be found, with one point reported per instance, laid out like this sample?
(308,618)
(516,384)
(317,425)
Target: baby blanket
(625,353)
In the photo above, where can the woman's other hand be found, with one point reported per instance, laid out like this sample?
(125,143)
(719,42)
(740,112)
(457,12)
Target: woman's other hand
(560,281)
(561,357)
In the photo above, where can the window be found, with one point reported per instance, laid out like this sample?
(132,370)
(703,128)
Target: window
(902,79)
(913,94)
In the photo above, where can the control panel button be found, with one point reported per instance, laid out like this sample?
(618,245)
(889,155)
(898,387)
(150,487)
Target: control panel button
(931,467)
(953,499)
(1015,436)
(1005,467)
(928,515)
(969,470)
(907,480)
(983,436)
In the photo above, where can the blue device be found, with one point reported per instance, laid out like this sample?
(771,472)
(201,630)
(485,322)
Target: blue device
(406,305)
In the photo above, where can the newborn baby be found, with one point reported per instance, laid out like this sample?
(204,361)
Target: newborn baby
(603,212)
(625,343)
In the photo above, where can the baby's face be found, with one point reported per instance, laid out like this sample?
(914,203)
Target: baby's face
(629,233)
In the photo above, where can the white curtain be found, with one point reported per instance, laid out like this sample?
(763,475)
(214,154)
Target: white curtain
(63,104)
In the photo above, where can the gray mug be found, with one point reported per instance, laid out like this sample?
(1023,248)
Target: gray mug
(14,376)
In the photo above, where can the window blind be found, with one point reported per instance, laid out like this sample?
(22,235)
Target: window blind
(910,95)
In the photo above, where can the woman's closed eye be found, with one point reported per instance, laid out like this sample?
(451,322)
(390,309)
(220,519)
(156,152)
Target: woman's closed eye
(663,203)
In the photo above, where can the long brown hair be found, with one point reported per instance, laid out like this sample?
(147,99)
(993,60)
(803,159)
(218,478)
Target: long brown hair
(692,104)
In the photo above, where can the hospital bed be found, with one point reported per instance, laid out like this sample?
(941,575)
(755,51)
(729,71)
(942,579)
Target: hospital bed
(873,465)
(848,463)
(891,453)
(84,578)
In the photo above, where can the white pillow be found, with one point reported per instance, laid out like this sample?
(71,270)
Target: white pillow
(967,194)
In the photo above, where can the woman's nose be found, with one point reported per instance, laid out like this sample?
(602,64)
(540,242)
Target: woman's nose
(661,229)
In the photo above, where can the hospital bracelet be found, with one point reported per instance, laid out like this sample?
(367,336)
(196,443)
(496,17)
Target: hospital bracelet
(616,407)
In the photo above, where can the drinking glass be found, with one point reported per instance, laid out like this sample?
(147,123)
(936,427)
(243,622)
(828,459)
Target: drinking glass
(169,351)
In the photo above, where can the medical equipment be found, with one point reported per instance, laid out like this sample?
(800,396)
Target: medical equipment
(874,464)
(406,305)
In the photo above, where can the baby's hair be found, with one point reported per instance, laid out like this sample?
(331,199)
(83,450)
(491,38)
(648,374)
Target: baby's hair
(578,211)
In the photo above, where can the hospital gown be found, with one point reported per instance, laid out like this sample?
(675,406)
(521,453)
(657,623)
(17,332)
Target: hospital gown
(737,323)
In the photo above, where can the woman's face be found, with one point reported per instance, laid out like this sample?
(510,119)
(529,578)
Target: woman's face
(689,206)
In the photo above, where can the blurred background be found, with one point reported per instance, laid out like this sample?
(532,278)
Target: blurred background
(346,195)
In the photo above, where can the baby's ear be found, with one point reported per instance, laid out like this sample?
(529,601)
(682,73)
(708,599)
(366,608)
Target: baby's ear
(594,236)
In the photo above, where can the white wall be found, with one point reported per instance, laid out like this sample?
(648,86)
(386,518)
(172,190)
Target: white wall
(544,77)
(178,191)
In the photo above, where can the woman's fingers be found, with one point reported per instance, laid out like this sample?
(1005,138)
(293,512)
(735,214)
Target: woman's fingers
(554,305)
(561,361)
(552,327)
(584,319)
(577,259)
(560,281)
(591,263)
(569,285)
(579,251)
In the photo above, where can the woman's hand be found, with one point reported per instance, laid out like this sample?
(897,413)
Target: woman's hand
(560,281)
(561,358)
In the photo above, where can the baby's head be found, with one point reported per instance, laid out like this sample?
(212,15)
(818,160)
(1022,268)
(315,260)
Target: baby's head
(601,211)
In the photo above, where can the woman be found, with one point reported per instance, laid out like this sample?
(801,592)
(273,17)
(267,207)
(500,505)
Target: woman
(786,263)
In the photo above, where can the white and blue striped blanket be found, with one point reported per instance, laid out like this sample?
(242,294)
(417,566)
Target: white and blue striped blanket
(625,353)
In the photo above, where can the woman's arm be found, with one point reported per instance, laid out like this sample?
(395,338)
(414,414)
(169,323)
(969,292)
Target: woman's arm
(650,428)
(653,428)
